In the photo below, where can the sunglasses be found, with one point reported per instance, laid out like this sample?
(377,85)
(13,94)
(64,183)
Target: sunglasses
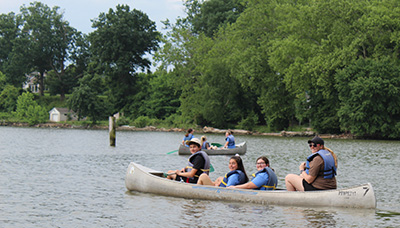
(312,145)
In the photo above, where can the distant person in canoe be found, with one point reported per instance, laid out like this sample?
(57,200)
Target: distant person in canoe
(188,136)
(204,143)
(230,140)
(318,173)
(264,179)
(236,175)
(198,163)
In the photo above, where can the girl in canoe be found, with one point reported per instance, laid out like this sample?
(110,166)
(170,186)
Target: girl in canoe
(204,143)
(264,179)
(188,136)
(198,163)
(237,175)
(230,140)
(318,173)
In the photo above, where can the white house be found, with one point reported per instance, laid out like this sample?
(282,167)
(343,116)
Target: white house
(62,114)
(31,82)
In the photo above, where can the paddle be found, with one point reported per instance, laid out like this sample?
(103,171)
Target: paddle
(216,144)
(211,170)
(172,151)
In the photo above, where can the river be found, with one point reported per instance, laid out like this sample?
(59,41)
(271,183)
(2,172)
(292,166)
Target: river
(73,178)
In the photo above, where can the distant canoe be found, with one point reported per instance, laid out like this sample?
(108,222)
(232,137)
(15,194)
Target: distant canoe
(240,149)
(142,179)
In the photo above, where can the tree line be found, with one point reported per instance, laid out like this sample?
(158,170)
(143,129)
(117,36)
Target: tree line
(331,65)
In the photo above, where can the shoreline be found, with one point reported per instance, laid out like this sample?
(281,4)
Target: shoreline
(202,130)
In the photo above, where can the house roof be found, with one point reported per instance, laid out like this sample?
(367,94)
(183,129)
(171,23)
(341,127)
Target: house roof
(63,110)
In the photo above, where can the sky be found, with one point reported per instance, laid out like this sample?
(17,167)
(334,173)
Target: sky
(79,12)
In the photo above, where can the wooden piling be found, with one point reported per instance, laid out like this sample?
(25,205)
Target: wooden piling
(111,126)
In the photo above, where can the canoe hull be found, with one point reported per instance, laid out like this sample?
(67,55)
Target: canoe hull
(143,179)
(240,149)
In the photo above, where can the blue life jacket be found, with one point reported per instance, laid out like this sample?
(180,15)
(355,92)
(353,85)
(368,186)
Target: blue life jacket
(188,138)
(272,179)
(231,141)
(242,178)
(205,169)
(205,145)
(329,163)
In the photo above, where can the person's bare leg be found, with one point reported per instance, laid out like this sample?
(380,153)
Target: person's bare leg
(294,182)
(172,176)
(204,179)
(218,181)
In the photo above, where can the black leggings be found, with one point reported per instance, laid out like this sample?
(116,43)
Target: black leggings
(309,187)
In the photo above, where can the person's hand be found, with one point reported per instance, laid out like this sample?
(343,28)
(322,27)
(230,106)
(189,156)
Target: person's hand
(232,186)
(302,166)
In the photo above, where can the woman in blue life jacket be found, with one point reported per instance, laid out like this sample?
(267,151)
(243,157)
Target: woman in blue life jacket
(230,140)
(318,173)
(198,163)
(188,136)
(264,179)
(236,175)
(205,145)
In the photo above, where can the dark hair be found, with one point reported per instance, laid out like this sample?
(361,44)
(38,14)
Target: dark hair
(265,159)
(239,162)
(188,132)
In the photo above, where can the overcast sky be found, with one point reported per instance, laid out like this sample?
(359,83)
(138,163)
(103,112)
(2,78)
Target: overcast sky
(79,12)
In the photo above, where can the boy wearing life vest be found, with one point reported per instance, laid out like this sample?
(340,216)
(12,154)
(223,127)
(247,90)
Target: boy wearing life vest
(198,163)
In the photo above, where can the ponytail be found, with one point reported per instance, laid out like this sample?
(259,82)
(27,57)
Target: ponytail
(333,155)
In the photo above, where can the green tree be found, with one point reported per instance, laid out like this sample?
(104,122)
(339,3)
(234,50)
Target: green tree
(163,98)
(50,39)
(209,94)
(120,42)
(13,49)
(369,92)
(86,99)
(156,98)
(28,110)
(8,98)
(243,48)
(209,16)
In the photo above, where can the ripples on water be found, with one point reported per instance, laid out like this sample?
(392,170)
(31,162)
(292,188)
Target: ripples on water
(72,178)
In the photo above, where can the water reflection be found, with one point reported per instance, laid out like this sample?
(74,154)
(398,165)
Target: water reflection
(319,218)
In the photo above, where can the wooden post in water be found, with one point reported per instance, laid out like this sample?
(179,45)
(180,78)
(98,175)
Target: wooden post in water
(111,126)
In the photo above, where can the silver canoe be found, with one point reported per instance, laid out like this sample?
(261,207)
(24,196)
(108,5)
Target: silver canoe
(240,149)
(143,179)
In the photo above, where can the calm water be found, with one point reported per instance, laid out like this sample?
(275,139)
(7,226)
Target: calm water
(72,178)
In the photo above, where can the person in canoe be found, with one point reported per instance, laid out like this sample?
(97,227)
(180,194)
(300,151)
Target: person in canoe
(236,175)
(318,173)
(198,163)
(230,140)
(264,179)
(188,136)
(204,143)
